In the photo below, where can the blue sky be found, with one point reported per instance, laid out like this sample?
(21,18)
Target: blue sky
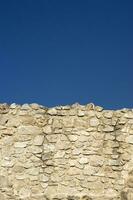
(62,52)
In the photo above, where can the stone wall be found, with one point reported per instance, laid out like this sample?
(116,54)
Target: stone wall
(65,153)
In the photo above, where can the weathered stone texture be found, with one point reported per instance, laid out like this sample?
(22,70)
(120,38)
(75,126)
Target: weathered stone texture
(65,153)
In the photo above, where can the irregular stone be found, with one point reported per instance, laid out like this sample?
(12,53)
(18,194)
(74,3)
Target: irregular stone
(59,154)
(13,122)
(63,145)
(72,138)
(52,138)
(83,160)
(38,140)
(24,193)
(98,108)
(34,106)
(108,114)
(129,139)
(52,111)
(7,163)
(33,171)
(36,149)
(76,151)
(13,105)
(21,176)
(130,182)
(25,107)
(94,121)
(44,178)
(3,181)
(108,129)
(29,130)
(56,124)
(47,129)
(83,138)
(18,168)
(96,160)
(20,144)
(72,163)
(81,113)
(48,148)
(129,115)
(73,171)
(4,108)
(90,170)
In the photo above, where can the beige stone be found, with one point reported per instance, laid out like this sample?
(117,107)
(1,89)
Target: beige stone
(59,154)
(83,160)
(78,152)
(20,144)
(90,170)
(73,171)
(43,178)
(47,129)
(36,149)
(72,138)
(38,140)
(24,193)
(29,130)
(108,114)
(94,121)
(108,128)
(129,139)
(52,111)
(96,160)
(81,113)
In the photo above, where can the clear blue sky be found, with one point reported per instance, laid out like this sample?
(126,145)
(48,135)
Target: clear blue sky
(56,52)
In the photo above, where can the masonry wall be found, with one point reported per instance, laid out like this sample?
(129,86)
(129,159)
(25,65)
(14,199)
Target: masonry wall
(65,153)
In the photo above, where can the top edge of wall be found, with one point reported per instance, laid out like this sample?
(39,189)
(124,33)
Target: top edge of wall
(89,106)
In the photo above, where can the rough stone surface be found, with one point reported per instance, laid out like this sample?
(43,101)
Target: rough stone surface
(71,152)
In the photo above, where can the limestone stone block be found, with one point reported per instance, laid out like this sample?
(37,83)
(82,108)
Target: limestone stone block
(72,138)
(52,111)
(90,170)
(25,107)
(18,168)
(130,182)
(33,171)
(94,122)
(47,129)
(52,138)
(38,140)
(59,154)
(129,139)
(20,144)
(83,160)
(73,171)
(29,130)
(129,115)
(81,113)
(24,193)
(7,163)
(96,160)
(3,181)
(56,124)
(76,151)
(108,128)
(13,105)
(62,145)
(43,178)
(48,148)
(108,114)
(36,149)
